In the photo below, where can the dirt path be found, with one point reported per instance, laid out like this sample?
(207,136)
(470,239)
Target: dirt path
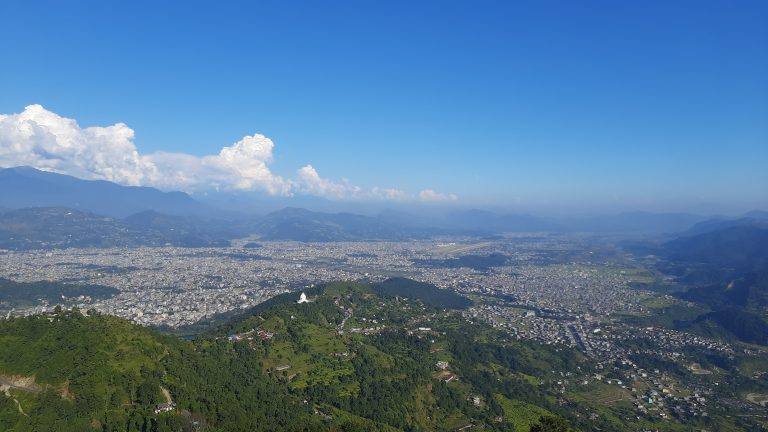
(347,315)
(167,395)
(18,405)
(20,383)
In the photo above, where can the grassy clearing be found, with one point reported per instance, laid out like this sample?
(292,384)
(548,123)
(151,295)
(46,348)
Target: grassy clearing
(532,380)
(749,366)
(603,394)
(322,340)
(758,399)
(326,375)
(454,422)
(657,302)
(320,362)
(635,275)
(352,421)
(522,415)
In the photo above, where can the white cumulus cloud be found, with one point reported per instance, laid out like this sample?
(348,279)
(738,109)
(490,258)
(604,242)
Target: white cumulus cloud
(430,196)
(42,139)
(242,166)
(389,194)
(309,182)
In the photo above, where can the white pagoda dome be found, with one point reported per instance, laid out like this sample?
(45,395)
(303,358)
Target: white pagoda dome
(303,298)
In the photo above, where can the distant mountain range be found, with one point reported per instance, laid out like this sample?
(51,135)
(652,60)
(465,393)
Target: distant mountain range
(724,265)
(61,227)
(740,245)
(23,187)
(53,210)
(304,225)
(487,222)
(751,219)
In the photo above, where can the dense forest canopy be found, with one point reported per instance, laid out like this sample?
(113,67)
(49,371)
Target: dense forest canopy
(348,359)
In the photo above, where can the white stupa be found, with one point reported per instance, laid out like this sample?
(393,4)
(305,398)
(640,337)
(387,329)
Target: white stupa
(302,299)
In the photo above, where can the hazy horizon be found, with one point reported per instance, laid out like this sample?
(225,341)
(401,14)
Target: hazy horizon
(542,109)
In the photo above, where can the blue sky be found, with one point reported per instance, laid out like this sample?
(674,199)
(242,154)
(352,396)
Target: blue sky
(634,103)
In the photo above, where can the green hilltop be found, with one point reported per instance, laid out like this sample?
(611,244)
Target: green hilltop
(349,359)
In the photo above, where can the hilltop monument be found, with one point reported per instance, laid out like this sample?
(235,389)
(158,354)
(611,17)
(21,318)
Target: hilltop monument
(303,299)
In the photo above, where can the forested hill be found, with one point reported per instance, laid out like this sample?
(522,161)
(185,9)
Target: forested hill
(69,372)
(725,268)
(347,360)
(428,293)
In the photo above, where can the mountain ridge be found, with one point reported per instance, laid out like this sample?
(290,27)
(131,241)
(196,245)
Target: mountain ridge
(22,187)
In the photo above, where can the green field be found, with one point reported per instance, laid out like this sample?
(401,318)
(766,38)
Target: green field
(521,414)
